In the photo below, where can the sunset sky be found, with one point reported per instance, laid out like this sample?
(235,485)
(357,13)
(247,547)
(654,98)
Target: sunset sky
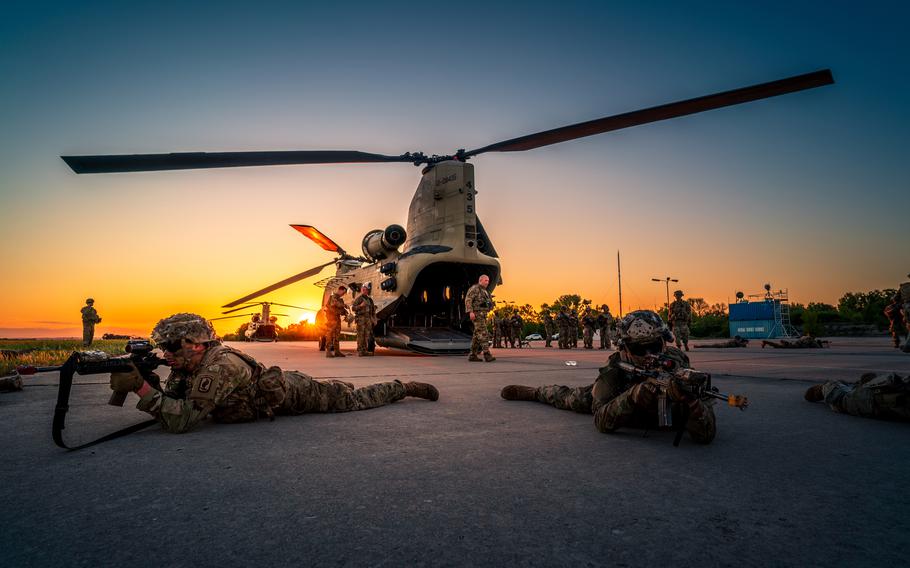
(807,191)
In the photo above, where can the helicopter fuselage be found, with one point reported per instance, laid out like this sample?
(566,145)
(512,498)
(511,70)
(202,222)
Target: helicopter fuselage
(419,290)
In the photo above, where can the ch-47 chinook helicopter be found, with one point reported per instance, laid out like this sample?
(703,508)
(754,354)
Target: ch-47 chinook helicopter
(263,325)
(419,275)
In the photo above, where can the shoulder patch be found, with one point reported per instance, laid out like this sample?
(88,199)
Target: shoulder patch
(203,387)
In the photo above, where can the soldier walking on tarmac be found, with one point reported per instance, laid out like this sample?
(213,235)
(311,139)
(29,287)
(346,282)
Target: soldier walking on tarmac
(680,316)
(335,308)
(89,319)
(604,321)
(547,327)
(477,304)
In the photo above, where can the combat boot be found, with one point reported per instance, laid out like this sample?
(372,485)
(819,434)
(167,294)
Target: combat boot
(421,390)
(815,394)
(474,357)
(488,357)
(518,392)
(339,354)
(329,354)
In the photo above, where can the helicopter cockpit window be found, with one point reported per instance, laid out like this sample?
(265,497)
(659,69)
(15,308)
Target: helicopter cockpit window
(448,293)
(423,296)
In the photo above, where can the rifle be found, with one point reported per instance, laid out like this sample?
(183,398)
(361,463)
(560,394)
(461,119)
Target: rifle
(661,370)
(139,355)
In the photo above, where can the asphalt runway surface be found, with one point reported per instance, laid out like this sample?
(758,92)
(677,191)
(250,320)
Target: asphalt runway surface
(470,480)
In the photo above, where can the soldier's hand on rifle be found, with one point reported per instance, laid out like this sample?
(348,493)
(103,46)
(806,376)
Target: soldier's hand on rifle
(127,382)
(678,392)
(472,316)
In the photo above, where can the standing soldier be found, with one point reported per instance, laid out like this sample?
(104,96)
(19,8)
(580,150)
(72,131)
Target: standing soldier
(680,317)
(89,319)
(548,327)
(573,330)
(905,307)
(895,319)
(477,303)
(604,321)
(365,318)
(517,325)
(588,321)
(505,328)
(497,331)
(562,324)
(334,310)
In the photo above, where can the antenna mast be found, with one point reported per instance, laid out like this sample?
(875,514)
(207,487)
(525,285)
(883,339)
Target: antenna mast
(619,275)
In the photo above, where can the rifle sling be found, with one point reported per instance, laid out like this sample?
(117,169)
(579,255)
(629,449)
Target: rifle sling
(63,397)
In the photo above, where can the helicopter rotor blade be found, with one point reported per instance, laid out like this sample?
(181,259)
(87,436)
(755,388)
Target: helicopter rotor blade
(232,317)
(295,307)
(197,160)
(277,285)
(245,306)
(662,112)
(319,238)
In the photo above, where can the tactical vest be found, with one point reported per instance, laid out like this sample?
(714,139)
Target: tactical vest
(268,385)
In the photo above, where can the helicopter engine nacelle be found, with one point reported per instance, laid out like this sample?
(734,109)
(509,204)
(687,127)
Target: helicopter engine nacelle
(378,243)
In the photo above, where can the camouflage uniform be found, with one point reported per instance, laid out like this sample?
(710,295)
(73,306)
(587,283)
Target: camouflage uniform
(616,399)
(804,342)
(479,301)
(89,319)
(896,322)
(365,318)
(588,321)
(505,327)
(497,331)
(680,317)
(735,342)
(517,324)
(232,387)
(604,320)
(884,396)
(548,328)
(905,308)
(562,323)
(334,309)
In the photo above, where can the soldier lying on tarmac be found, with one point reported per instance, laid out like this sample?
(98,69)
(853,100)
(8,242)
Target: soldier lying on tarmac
(617,398)
(737,341)
(210,378)
(804,342)
(885,396)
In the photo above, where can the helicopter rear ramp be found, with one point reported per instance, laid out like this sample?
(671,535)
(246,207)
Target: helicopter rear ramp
(431,340)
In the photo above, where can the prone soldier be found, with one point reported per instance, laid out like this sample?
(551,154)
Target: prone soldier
(737,341)
(804,342)
(478,303)
(208,378)
(885,396)
(680,316)
(619,396)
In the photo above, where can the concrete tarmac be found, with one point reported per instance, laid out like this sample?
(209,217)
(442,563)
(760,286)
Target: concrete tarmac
(470,480)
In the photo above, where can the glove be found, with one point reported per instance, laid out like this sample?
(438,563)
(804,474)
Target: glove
(677,391)
(126,382)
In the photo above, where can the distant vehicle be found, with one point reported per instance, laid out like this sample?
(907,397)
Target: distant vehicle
(534,337)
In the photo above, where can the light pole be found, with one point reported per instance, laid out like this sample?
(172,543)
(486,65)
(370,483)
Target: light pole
(667,280)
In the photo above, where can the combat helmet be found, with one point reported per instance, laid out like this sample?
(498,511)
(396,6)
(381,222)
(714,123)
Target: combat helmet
(90,300)
(643,327)
(191,327)
(678,293)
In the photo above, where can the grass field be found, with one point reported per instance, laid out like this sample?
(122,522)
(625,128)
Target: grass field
(49,352)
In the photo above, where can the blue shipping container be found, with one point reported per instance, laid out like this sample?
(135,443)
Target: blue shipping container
(752,311)
(751,329)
